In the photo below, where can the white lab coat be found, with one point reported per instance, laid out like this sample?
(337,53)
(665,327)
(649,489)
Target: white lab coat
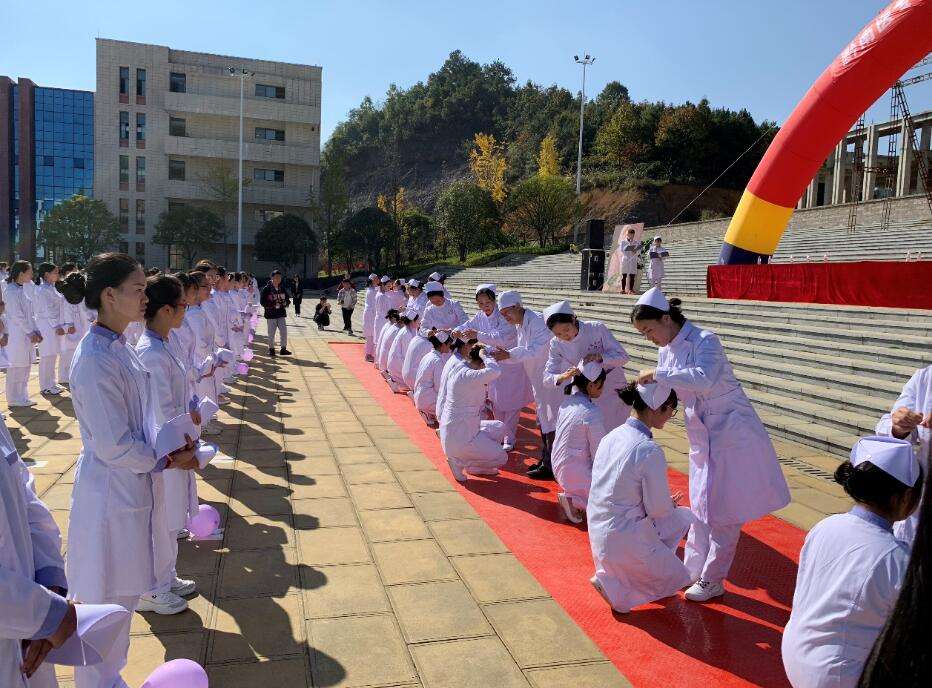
(385,345)
(472,443)
(80,316)
(917,397)
(110,543)
(398,351)
(382,306)
(21,323)
(850,571)
(593,337)
(451,364)
(447,317)
(656,270)
(630,250)
(47,306)
(531,350)
(427,381)
(579,430)
(368,319)
(417,350)
(204,345)
(133,332)
(511,391)
(418,303)
(30,563)
(634,526)
(734,476)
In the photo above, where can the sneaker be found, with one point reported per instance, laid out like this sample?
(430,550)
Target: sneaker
(52,391)
(284,352)
(223,400)
(456,470)
(22,404)
(542,472)
(599,589)
(182,587)
(508,446)
(165,603)
(573,514)
(272,353)
(211,430)
(703,591)
(183,534)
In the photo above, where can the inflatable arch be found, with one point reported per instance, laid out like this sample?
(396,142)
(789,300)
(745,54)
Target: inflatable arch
(896,39)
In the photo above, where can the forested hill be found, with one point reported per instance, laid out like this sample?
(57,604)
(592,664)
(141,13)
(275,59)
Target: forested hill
(419,138)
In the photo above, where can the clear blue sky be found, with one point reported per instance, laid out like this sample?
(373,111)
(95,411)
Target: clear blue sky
(737,53)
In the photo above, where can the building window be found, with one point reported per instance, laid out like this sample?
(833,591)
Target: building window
(263,134)
(124,247)
(175,258)
(79,163)
(175,205)
(124,128)
(176,170)
(177,126)
(140,130)
(266,91)
(124,214)
(141,83)
(48,161)
(176,82)
(262,175)
(263,215)
(140,173)
(124,172)
(140,251)
(140,216)
(124,81)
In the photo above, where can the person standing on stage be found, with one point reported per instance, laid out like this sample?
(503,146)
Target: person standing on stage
(630,253)
(734,475)
(346,297)
(657,255)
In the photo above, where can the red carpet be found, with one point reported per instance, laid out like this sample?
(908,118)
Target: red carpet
(735,642)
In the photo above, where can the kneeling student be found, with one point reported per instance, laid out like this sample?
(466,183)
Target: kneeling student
(427,380)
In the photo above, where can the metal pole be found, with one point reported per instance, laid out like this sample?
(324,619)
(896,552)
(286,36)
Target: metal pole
(582,105)
(239,209)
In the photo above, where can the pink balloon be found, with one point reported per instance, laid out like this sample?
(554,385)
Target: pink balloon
(242,368)
(250,337)
(206,521)
(247,354)
(178,673)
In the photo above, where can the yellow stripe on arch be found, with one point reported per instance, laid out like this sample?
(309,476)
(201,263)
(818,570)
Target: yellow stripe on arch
(757,225)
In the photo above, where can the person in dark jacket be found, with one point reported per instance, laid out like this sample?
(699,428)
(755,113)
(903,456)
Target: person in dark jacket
(274,300)
(322,313)
(297,293)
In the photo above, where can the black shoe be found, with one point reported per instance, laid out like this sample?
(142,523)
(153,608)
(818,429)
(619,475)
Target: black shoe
(284,352)
(535,467)
(272,353)
(543,472)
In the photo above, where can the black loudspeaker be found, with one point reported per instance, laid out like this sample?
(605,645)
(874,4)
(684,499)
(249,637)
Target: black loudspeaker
(595,231)
(592,275)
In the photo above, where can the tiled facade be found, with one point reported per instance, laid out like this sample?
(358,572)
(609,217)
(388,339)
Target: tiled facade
(184,127)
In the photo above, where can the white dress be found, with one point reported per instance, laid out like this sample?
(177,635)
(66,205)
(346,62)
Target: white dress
(21,323)
(448,316)
(47,306)
(579,430)
(656,270)
(850,571)
(398,351)
(427,381)
(30,563)
(531,350)
(417,350)
(474,444)
(382,306)
(368,319)
(418,303)
(634,526)
(630,250)
(593,337)
(385,345)
(917,397)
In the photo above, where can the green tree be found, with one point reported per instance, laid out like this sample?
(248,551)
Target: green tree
(417,231)
(370,230)
(79,227)
(543,205)
(467,216)
(191,229)
(284,240)
(548,161)
(220,183)
(329,209)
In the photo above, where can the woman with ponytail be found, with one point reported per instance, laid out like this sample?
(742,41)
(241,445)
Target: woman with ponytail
(75,318)
(635,524)
(23,334)
(47,303)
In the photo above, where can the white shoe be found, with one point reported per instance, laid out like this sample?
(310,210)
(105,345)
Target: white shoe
(483,471)
(182,587)
(599,589)
(165,603)
(508,447)
(703,591)
(456,470)
(571,512)
(211,430)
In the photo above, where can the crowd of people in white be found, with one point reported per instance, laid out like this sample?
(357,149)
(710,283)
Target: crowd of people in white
(470,377)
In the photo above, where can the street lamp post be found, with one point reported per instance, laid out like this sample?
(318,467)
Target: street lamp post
(585,62)
(242,74)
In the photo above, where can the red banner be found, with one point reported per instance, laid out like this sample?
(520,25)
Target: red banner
(865,283)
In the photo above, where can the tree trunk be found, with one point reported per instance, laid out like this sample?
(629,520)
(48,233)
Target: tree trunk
(462,250)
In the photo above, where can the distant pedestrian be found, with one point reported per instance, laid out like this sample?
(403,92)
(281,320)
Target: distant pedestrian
(322,313)
(297,293)
(274,300)
(346,297)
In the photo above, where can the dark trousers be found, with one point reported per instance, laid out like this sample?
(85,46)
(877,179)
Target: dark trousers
(297,306)
(347,319)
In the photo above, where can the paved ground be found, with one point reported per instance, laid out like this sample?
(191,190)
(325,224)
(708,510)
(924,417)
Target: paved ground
(348,559)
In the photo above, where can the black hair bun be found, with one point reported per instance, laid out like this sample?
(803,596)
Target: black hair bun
(73,288)
(675,302)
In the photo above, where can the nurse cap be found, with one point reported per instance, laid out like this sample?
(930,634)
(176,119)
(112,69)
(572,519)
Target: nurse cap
(509,298)
(414,283)
(411,313)
(98,627)
(483,287)
(373,276)
(385,279)
(563,307)
(658,238)
(442,336)
(431,287)
(590,370)
(891,455)
(434,276)
(654,298)
(655,394)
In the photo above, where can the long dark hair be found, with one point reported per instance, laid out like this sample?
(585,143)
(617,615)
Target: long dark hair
(162,290)
(103,271)
(645,312)
(902,655)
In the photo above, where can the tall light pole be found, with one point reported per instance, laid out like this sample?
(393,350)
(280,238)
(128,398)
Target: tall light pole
(585,62)
(242,74)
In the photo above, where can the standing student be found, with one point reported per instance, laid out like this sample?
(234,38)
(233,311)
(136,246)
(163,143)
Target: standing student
(274,300)
(440,279)
(427,379)
(111,539)
(297,293)
(635,524)
(851,568)
(74,319)
(346,297)
(442,313)
(47,305)
(531,350)
(165,312)
(734,475)
(470,444)
(580,429)
(630,252)
(417,299)
(322,313)
(657,255)
(382,306)
(911,419)
(202,349)
(23,334)
(373,289)
(511,391)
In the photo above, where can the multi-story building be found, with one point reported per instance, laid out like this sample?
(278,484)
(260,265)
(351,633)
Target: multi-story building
(46,156)
(167,132)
